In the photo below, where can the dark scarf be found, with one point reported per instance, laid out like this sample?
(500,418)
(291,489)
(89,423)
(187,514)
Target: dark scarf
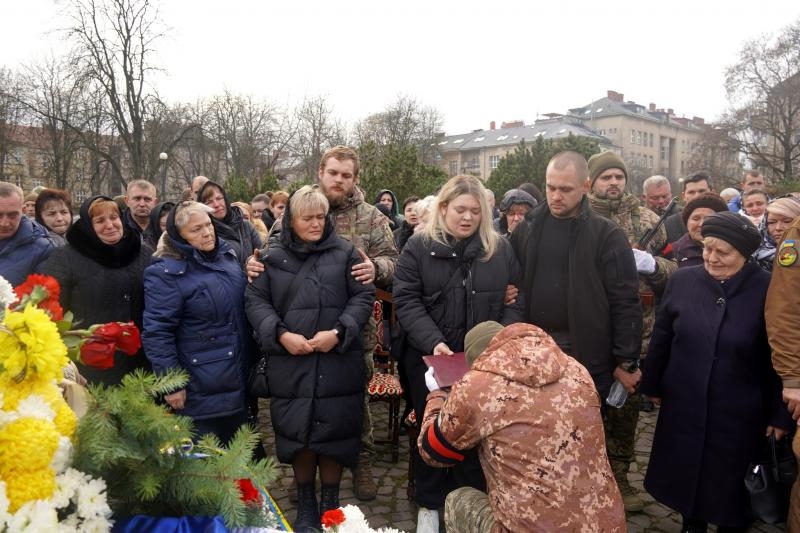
(82,237)
(182,244)
(291,242)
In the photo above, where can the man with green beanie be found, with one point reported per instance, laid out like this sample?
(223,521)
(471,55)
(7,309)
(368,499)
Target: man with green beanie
(535,413)
(608,198)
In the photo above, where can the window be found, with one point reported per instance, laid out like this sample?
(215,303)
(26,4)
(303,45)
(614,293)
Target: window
(453,168)
(479,139)
(79,198)
(502,138)
(494,160)
(633,137)
(639,137)
(664,153)
(474,164)
(651,140)
(650,162)
(18,181)
(36,183)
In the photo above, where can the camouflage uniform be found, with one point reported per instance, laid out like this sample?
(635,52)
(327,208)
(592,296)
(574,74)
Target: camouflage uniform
(535,413)
(782,314)
(620,424)
(368,229)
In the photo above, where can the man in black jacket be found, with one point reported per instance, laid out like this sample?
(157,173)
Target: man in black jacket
(579,277)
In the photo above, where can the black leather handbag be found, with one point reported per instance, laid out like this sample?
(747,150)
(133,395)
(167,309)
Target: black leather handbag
(769,482)
(257,382)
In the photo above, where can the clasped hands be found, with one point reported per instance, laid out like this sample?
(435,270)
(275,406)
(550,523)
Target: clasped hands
(296,344)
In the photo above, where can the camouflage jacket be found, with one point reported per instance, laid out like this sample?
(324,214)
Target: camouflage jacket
(635,221)
(368,229)
(535,413)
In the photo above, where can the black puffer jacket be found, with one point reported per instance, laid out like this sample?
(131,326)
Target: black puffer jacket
(441,291)
(605,316)
(102,283)
(317,399)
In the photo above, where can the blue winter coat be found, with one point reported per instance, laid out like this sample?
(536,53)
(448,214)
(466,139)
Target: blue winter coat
(709,362)
(25,252)
(194,320)
(317,399)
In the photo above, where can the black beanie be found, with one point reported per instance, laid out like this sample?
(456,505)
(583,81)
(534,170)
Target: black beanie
(734,229)
(710,200)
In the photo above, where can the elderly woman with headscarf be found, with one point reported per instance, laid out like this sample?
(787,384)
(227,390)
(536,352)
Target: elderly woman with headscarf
(709,368)
(688,250)
(194,320)
(100,272)
(780,215)
(515,205)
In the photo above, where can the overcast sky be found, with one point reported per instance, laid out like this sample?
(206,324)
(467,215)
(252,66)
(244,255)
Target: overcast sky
(475,61)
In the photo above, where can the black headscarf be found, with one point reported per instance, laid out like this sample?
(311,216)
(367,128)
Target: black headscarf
(82,237)
(181,243)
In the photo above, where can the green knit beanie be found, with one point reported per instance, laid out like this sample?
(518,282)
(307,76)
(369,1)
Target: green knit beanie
(478,338)
(601,162)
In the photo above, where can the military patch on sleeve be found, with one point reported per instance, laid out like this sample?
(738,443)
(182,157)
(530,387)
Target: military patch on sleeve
(787,255)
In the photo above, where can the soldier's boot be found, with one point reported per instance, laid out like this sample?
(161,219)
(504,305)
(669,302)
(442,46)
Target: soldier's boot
(630,496)
(364,486)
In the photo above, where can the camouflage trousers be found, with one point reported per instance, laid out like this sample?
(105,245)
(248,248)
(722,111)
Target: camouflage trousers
(467,510)
(620,429)
(367,438)
(793,522)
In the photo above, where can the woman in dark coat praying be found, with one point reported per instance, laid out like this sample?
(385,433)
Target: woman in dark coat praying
(709,367)
(308,314)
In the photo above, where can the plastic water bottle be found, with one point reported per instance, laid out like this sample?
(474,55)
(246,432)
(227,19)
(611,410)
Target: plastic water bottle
(617,395)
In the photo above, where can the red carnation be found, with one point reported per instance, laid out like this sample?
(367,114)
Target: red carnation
(98,353)
(332,518)
(52,308)
(249,493)
(48,283)
(129,340)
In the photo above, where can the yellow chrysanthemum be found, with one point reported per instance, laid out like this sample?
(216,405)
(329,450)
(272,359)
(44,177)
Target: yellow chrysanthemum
(65,420)
(33,345)
(27,486)
(27,444)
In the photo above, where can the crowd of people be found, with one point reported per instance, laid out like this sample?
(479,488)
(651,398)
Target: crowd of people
(556,298)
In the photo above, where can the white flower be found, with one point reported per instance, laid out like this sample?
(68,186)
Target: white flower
(63,456)
(96,525)
(7,295)
(34,517)
(35,406)
(4,516)
(67,484)
(92,499)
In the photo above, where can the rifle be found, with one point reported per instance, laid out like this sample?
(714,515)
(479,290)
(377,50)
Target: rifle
(644,241)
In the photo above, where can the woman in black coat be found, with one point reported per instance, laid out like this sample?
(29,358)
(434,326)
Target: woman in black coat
(709,367)
(308,322)
(229,224)
(100,271)
(449,278)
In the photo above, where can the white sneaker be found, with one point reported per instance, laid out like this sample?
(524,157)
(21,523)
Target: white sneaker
(427,520)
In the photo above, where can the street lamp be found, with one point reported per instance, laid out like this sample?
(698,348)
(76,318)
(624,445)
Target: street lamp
(163,157)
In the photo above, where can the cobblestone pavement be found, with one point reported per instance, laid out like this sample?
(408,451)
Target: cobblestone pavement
(392,507)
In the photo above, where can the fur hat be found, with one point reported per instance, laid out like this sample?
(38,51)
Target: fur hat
(478,338)
(710,200)
(601,162)
(734,229)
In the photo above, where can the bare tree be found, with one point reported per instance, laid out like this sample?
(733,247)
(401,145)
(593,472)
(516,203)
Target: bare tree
(12,115)
(317,130)
(114,43)
(55,98)
(404,123)
(253,132)
(764,93)
(717,152)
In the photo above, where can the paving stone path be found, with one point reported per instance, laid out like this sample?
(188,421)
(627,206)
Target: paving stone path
(392,507)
